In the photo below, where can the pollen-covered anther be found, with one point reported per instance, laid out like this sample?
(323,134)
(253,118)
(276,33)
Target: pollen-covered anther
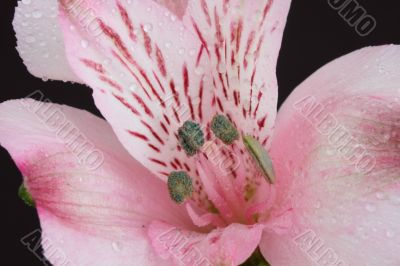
(261,157)
(180,186)
(224,129)
(191,137)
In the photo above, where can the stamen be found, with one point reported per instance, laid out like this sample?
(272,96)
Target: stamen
(191,137)
(261,157)
(180,186)
(224,129)
(26,196)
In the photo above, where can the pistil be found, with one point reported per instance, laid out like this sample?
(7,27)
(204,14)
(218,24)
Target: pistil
(261,157)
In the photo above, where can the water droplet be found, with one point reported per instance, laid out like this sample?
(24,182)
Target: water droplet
(26,2)
(380,195)
(84,43)
(148,27)
(37,14)
(390,234)
(181,51)
(116,246)
(370,208)
(133,87)
(168,45)
(199,70)
(30,39)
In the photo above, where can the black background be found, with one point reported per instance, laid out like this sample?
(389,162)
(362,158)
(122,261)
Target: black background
(315,34)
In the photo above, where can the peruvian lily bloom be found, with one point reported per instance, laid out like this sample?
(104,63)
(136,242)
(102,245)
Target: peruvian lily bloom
(193,166)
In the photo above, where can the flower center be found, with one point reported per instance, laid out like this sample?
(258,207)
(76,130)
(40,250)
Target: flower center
(234,178)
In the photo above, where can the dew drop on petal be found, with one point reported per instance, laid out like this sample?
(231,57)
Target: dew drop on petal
(37,14)
(84,43)
(116,246)
(370,208)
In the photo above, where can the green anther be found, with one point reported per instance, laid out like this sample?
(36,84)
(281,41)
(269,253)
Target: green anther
(224,130)
(191,137)
(25,196)
(180,186)
(261,156)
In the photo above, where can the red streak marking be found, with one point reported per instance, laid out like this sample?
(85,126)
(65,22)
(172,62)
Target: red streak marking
(126,104)
(249,44)
(163,173)
(154,148)
(261,122)
(191,108)
(258,103)
(153,132)
(218,33)
(236,97)
(138,135)
(174,92)
(185,79)
(239,35)
(204,8)
(220,105)
(227,79)
(253,76)
(233,60)
(178,162)
(174,165)
(198,32)
(186,167)
(176,116)
(93,65)
(201,98)
(199,55)
(265,141)
(244,112)
(221,79)
(167,119)
(143,104)
(164,128)
(213,101)
(161,61)
(153,90)
(217,53)
(116,39)
(267,8)
(111,83)
(158,162)
(147,42)
(159,82)
(132,73)
(251,99)
(258,50)
(127,21)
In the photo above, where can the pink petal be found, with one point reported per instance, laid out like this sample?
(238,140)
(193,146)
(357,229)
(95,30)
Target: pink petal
(142,68)
(242,40)
(232,245)
(64,245)
(150,71)
(39,40)
(343,184)
(82,179)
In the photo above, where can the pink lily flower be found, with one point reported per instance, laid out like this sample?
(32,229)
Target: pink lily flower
(179,82)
